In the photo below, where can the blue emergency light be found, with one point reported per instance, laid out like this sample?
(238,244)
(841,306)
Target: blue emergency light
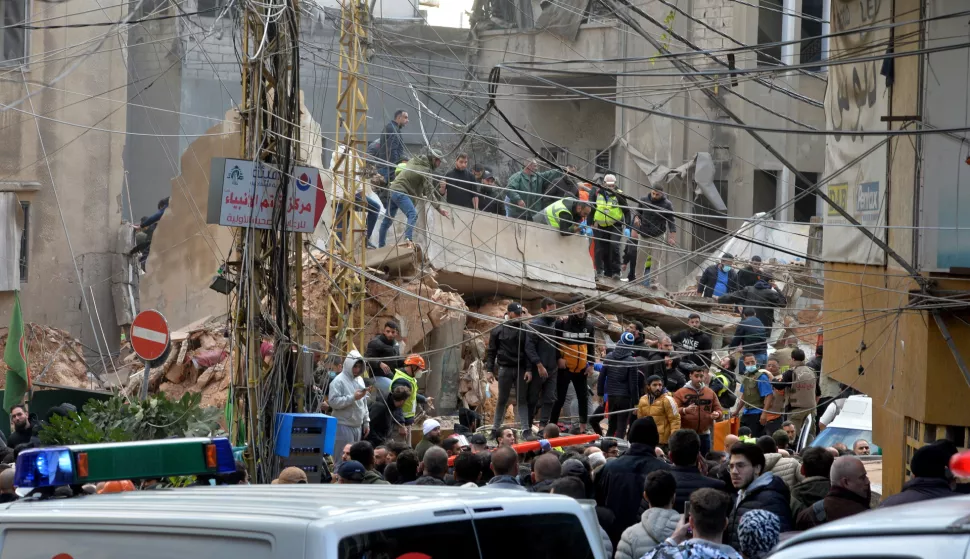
(80,464)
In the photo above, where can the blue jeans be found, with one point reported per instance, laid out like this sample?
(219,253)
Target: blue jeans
(402,201)
(373,210)
(387,173)
(761,358)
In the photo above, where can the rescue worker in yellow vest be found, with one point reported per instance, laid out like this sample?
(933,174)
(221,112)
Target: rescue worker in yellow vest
(414,368)
(799,381)
(566,215)
(577,348)
(608,220)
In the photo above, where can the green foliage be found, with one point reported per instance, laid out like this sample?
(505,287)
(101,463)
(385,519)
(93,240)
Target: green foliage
(665,37)
(115,420)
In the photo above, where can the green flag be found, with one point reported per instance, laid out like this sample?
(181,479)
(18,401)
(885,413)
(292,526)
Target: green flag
(15,356)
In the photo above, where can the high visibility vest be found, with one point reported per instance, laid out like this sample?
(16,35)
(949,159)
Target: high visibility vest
(608,210)
(801,393)
(410,407)
(400,168)
(553,210)
(725,383)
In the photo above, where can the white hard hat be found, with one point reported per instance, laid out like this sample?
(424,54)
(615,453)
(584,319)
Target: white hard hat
(609,179)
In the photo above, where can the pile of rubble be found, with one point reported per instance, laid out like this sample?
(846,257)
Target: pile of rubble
(54,357)
(197,362)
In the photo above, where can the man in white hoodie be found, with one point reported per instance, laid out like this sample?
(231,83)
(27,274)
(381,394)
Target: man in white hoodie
(657,523)
(347,393)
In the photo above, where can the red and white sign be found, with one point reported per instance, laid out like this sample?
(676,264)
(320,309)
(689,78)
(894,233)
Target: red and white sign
(149,335)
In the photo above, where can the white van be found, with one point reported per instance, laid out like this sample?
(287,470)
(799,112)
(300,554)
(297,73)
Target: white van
(854,422)
(302,522)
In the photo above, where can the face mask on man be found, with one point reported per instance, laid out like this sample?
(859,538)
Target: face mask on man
(750,368)
(726,268)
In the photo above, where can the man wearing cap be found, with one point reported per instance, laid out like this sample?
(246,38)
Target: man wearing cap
(608,220)
(408,376)
(719,279)
(415,183)
(506,360)
(347,393)
(656,229)
(432,437)
(542,349)
(564,215)
(491,195)
(932,477)
(291,475)
(350,471)
(620,381)
(525,189)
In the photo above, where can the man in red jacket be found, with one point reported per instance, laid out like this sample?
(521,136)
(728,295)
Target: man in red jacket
(699,408)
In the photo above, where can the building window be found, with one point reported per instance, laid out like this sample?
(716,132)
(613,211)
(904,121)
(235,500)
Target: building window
(806,206)
(24,243)
(811,45)
(209,8)
(769,31)
(554,154)
(13,40)
(765,191)
(603,162)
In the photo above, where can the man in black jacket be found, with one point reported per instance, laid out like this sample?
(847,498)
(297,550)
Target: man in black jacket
(25,427)
(462,189)
(719,279)
(619,484)
(541,347)
(694,342)
(506,351)
(665,363)
(931,478)
(750,274)
(619,380)
(656,229)
(684,446)
(383,353)
(577,351)
(750,336)
(757,489)
(763,297)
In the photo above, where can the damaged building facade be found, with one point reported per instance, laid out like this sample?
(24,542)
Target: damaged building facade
(583,126)
(61,172)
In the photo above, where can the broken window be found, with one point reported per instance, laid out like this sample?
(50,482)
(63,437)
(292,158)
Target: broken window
(811,45)
(805,207)
(769,31)
(554,154)
(603,163)
(24,235)
(13,40)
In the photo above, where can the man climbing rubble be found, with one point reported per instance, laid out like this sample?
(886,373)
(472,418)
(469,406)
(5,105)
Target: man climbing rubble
(415,183)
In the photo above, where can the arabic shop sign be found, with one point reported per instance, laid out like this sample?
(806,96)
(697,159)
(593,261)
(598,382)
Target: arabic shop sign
(246,195)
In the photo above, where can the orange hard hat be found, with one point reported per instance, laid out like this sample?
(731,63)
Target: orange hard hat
(416,360)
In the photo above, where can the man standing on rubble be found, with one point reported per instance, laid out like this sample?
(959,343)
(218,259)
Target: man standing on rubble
(608,220)
(655,227)
(694,342)
(347,393)
(383,353)
(577,353)
(542,349)
(462,184)
(764,297)
(413,370)
(392,145)
(525,189)
(506,356)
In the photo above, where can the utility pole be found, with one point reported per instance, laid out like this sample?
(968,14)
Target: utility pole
(345,311)
(267,262)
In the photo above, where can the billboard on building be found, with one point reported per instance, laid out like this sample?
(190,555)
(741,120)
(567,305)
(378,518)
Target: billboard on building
(855,100)
(244,194)
(944,207)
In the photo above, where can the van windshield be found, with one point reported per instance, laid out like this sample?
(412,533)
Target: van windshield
(833,435)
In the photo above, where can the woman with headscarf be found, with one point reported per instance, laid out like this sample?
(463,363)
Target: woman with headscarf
(758,532)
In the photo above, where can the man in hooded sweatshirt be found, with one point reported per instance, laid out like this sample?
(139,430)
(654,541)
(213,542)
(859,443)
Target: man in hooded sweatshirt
(659,404)
(347,404)
(657,523)
(757,489)
(699,408)
(619,484)
(415,183)
(620,380)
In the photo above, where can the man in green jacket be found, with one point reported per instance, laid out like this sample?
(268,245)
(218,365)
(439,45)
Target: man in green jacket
(525,189)
(415,182)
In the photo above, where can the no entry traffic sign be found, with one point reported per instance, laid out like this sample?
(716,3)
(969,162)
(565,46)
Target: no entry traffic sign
(149,335)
